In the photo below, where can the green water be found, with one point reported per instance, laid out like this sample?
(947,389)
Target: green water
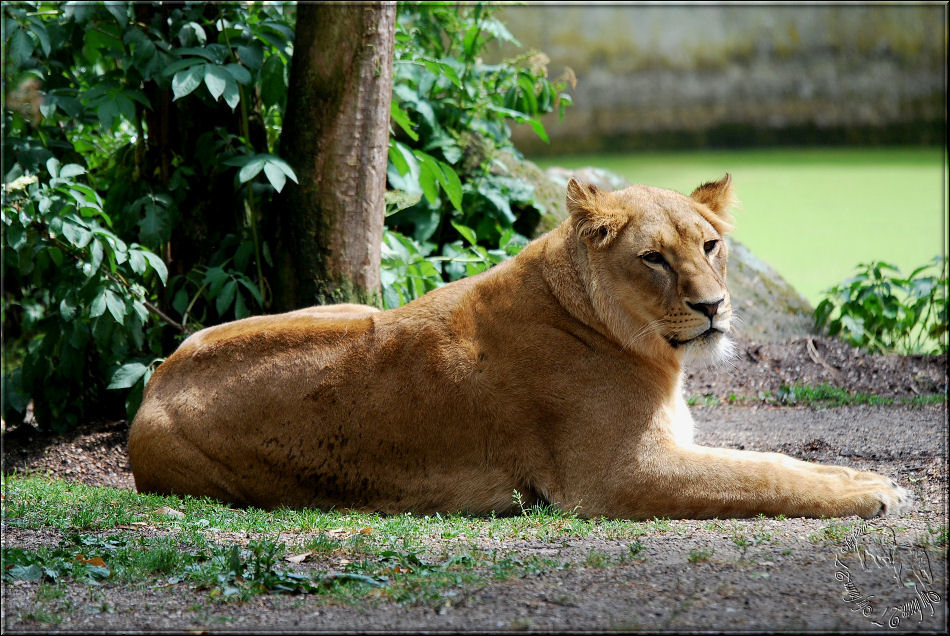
(813,214)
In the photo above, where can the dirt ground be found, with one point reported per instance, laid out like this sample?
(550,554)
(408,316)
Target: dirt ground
(692,576)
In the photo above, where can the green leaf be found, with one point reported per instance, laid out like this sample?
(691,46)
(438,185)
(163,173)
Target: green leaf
(71,170)
(119,11)
(56,255)
(207,52)
(252,168)
(251,56)
(428,179)
(239,73)
(187,81)
(452,185)
(116,306)
(137,261)
(157,264)
(466,232)
(538,128)
(401,118)
(107,113)
(67,309)
(21,46)
(275,175)
(127,375)
(76,233)
(187,62)
(283,166)
(273,81)
(398,159)
(52,165)
(97,254)
(251,287)
(216,79)
(265,251)
(25,573)
(232,94)
(240,307)
(98,306)
(16,236)
(156,225)
(215,277)
(226,297)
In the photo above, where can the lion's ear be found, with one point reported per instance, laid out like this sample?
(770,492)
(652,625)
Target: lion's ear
(718,196)
(590,220)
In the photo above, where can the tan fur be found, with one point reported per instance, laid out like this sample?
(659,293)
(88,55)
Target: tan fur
(556,374)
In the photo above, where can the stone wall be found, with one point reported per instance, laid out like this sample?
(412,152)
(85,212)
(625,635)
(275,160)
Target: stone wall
(687,76)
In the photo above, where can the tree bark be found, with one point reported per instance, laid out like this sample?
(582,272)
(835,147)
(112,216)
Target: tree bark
(328,229)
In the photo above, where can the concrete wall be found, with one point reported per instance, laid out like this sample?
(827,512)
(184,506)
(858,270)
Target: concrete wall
(668,76)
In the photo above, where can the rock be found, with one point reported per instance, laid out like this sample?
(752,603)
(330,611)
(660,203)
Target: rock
(767,307)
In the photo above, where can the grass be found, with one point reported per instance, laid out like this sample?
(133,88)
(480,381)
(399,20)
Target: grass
(821,396)
(353,555)
(813,214)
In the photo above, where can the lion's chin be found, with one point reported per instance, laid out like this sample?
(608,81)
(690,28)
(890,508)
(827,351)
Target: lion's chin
(708,349)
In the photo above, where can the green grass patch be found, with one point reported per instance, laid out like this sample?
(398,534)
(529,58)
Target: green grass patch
(821,396)
(812,213)
(700,555)
(348,556)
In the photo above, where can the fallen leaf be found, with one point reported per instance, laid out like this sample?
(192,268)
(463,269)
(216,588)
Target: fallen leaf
(298,558)
(366,530)
(165,511)
(97,561)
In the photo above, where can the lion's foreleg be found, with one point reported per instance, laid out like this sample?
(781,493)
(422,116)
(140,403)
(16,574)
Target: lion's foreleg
(694,481)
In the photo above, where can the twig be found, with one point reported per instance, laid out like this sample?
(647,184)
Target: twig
(816,357)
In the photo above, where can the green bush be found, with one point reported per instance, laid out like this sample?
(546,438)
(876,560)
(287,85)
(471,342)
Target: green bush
(881,310)
(95,200)
(452,115)
(140,152)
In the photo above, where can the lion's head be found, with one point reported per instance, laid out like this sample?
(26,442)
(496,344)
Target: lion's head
(654,264)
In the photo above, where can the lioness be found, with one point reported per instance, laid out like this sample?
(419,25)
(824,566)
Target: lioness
(556,374)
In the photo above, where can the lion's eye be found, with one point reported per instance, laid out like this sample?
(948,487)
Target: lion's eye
(709,246)
(654,258)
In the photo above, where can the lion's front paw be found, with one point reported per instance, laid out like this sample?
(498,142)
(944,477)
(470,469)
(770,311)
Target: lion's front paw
(894,501)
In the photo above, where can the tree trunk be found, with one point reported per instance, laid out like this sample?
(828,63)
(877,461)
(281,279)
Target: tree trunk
(336,130)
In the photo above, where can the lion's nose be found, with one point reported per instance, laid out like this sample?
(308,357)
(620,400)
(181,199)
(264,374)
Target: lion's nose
(709,309)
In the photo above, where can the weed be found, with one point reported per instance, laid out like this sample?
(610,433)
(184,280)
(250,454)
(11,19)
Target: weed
(881,310)
(661,525)
(825,395)
(323,544)
(700,556)
(597,559)
(48,592)
(503,569)
(636,550)
(834,531)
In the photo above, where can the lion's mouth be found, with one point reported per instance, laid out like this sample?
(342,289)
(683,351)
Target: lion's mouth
(712,331)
